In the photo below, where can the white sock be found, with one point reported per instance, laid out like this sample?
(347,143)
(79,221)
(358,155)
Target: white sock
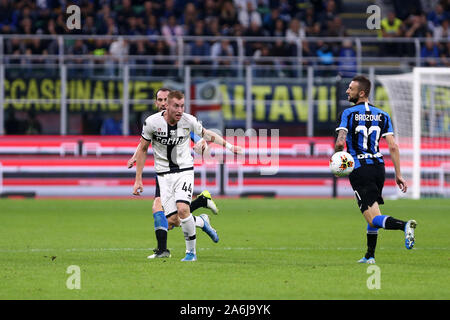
(188,227)
(199,222)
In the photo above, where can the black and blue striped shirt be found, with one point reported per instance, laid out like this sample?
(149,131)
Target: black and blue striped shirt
(365,125)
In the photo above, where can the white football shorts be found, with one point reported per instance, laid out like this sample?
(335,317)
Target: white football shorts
(175,187)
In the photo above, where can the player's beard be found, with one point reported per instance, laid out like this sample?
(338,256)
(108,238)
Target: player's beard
(353,99)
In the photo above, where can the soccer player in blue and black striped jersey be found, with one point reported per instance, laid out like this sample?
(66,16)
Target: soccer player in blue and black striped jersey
(360,128)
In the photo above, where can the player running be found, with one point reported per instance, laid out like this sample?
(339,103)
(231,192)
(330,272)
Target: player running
(169,132)
(361,127)
(204,199)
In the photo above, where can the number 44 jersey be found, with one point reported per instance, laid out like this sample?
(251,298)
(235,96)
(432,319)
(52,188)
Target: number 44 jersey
(365,125)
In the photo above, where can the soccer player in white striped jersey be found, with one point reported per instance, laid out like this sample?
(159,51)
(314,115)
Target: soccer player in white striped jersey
(163,224)
(169,132)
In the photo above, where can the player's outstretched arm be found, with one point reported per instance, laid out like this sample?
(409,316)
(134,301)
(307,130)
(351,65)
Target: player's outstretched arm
(200,145)
(141,156)
(395,156)
(213,137)
(340,141)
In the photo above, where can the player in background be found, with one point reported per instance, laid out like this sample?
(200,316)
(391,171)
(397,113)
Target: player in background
(203,200)
(169,133)
(361,128)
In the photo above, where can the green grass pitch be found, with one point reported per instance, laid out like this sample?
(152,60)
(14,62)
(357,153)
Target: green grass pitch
(287,249)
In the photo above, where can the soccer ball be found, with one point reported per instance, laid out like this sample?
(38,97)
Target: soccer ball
(342,164)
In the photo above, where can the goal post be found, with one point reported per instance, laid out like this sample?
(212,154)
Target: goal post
(416,132)
(420,103)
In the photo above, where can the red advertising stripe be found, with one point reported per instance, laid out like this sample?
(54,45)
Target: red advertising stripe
(232,182)
(83,182)
(121,162)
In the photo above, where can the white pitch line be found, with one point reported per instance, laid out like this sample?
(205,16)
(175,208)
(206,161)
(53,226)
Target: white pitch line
(202,249)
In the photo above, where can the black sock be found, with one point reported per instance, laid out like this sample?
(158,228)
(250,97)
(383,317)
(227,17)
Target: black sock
(394,224)
(161,238)
(199,202)
(371,245)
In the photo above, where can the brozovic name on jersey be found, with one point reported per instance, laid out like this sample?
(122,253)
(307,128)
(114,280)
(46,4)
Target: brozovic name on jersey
(367,117)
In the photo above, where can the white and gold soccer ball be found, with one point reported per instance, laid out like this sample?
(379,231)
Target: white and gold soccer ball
(342,164)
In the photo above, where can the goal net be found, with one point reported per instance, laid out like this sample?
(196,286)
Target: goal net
(420,103)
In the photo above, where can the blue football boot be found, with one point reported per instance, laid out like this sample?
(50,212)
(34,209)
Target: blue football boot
(368,261)
(190,256)
(210,231)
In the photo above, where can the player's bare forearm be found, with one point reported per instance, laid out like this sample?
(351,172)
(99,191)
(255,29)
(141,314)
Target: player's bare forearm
(132,160)
(213,137)
(395,153)
(137,148)
(401,182)
(140,162)
(340,141)
(141,156)
(395,157)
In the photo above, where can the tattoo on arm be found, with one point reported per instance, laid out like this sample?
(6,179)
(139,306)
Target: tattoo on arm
(342,135)
(340,141)
(208,136)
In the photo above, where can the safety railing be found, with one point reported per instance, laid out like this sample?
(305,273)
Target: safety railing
(263,97)
(242,49)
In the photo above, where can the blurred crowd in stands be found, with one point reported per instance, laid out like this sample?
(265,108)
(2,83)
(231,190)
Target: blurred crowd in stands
(286,19)
(413,19)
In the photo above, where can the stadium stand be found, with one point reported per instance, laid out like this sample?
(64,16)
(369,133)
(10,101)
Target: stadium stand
(250,18)
(279,40)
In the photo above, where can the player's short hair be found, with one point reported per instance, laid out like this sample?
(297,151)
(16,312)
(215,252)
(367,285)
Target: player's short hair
(175,94)
(161,89)
(363,84)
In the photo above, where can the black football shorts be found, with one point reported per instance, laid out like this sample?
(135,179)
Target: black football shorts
(367,183)
(157,192)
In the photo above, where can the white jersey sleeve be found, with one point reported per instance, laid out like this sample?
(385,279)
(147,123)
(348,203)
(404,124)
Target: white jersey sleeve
(147,129)
(196,126)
